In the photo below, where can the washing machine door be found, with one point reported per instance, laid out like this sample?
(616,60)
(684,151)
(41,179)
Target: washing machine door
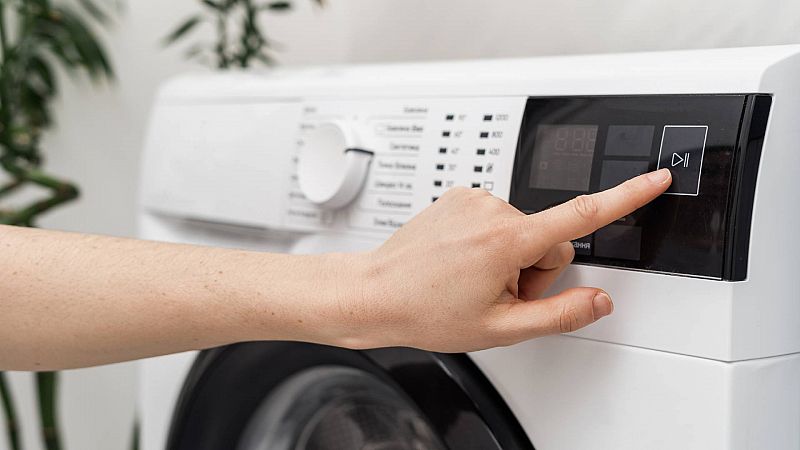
(297,396)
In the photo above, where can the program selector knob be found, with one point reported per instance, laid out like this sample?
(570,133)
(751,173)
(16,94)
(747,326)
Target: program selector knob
(332,166)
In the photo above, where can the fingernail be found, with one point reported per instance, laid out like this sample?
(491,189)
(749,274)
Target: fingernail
(659,176)
(602,305)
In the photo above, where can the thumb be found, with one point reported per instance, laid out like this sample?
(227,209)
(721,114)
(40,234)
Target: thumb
(562,313)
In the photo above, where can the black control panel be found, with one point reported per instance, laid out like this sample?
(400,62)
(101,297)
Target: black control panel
(570,146)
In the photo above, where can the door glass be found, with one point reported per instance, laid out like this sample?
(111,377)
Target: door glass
(336,408)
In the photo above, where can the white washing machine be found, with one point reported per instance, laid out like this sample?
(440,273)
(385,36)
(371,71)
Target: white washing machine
(703,351)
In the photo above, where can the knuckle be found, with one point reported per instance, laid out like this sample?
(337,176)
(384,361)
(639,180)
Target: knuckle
(586,207)
(457,191)
(629,189)
(494,202)
(632,192)
(568,320)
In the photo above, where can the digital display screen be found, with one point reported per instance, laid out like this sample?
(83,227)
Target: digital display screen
(563,156)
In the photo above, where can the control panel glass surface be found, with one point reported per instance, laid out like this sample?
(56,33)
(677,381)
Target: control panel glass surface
(570,146)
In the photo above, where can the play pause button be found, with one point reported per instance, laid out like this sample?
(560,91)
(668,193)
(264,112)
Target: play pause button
(682,149)
(681,159)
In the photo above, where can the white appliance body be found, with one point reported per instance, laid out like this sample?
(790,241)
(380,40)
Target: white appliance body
(685,362)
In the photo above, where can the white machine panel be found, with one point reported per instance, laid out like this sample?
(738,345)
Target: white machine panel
(210,160)
(422,147)
(581,394)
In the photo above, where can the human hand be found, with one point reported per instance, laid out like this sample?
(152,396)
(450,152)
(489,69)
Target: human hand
(468,273)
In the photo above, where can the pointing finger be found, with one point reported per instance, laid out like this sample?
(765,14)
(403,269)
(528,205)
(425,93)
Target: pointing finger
(585,214)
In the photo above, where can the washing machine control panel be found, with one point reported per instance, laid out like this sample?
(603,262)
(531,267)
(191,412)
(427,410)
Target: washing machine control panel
(711,144)
(417,149)
(393,158)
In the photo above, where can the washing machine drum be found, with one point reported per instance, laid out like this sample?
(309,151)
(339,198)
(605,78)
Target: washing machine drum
(295,396)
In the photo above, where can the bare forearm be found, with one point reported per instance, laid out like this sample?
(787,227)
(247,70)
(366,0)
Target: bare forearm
(467,273)
(69,300)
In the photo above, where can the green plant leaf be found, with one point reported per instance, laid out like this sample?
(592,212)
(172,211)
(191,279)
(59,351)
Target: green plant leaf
(195,50)
(136,434)
(95,11)
(279,6)
(32,100)
(265,59)
(183,29)
(36,36)
(214,5)
(47,388)
(241,45)
(84,43)
(39,69)
(7,402)
(67,36)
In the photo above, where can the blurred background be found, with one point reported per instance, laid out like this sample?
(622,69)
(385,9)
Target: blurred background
(99,132)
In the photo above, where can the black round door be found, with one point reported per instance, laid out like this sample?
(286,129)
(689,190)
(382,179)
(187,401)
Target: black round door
(296,396)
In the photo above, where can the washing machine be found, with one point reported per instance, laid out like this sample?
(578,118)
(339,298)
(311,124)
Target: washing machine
(703,350)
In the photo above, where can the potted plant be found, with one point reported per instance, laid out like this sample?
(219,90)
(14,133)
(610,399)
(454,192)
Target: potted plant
(240,39)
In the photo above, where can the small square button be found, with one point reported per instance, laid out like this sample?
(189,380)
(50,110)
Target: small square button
(615,172)
(630,140)
(618,242)
(682,149)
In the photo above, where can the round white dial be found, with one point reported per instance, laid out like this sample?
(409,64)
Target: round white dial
(331,166)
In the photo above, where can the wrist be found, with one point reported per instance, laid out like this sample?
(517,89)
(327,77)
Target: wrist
(354,316)
(337,299)
(326,299)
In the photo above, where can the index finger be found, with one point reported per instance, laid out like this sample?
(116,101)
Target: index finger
(585,214)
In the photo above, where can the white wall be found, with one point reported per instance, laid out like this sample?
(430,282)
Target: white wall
(100,132)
